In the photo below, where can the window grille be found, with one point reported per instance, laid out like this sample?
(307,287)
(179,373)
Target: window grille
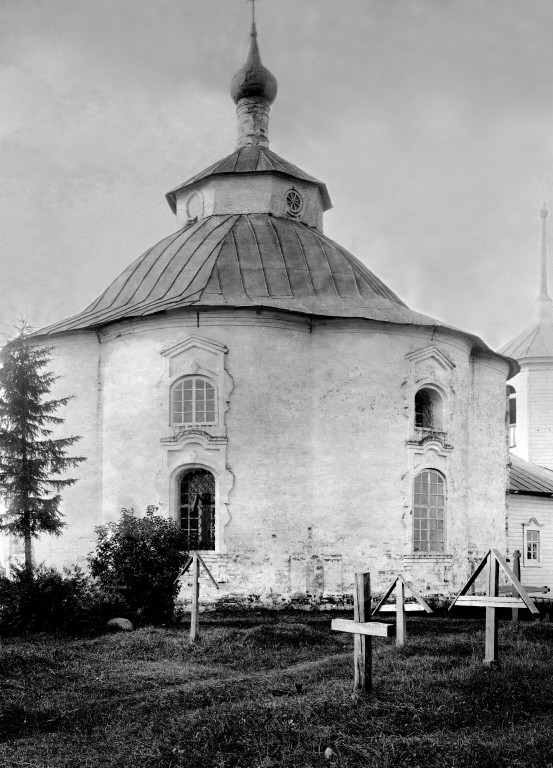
(197,508)
(193,402)
(429,412)
(533,546)
(424,410)
(428,512)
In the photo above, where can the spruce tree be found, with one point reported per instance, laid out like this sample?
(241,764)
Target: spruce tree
(31,462)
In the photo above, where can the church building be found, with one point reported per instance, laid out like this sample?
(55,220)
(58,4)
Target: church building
(262,387)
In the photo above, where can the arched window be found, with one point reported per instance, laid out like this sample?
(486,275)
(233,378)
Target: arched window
(429,410)
(512,415)
(428,512)
(193,401)
(197,508)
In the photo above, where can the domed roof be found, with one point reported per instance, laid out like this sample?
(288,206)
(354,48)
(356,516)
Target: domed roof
(253,260)
(253,80)
(252,158)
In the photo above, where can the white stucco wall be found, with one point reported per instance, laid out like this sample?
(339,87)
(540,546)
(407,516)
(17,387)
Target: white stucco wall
(534,390)
(535,513)
(316,455)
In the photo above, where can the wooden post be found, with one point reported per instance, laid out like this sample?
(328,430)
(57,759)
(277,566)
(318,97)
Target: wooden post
(490,656)
(362,648)
(195,614)
(516,571)
(401,626)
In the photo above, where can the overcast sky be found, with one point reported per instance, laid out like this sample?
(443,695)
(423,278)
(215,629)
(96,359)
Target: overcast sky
(431,121)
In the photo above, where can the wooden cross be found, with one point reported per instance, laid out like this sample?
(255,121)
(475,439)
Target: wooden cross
(508,589)
(492,600)
(401,607)
(195,561)
(363,631)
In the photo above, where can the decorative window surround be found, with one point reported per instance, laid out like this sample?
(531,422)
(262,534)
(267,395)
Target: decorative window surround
(431,353)
(437,557)
(531,527)
(205,358)
(429,445)
(197,449)
(201,446)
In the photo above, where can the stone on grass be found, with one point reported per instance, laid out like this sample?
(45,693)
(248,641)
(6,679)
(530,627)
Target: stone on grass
(119,625)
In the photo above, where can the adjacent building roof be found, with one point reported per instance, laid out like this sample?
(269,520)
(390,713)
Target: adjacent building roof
(251,159)
(525,477)
(535,341)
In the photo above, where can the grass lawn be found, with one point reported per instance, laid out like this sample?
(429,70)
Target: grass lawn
(150,699)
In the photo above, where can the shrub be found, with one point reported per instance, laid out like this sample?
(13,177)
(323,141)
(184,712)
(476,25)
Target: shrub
(141,557)
(42,599)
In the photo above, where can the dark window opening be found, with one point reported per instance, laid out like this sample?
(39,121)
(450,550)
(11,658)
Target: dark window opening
(512,415)
(429,410)
(197,508)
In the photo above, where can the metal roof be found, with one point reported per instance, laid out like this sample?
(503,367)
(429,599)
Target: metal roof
(525,477)
(251,159)
(535,341)
(249,260)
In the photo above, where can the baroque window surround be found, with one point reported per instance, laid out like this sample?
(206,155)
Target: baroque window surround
(198,446)
(429,368)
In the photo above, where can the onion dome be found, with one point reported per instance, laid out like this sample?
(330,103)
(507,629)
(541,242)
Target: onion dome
(253,80)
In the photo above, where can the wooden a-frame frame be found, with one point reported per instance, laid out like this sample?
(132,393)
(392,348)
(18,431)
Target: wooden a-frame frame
(195,560)
(492,600)
(400,607)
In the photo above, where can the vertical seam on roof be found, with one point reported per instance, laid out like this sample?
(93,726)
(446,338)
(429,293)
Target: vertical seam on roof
(259,155)
(305,259)
(259,254)
(179,273)
(282,254)
(188,234)
(238,261)
(236,159)
(321,244)
(129,308)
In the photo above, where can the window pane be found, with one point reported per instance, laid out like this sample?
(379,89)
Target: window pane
(428,512)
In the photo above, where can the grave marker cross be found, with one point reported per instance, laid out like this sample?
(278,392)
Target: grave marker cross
(493,600)
(400,607)
(363,631)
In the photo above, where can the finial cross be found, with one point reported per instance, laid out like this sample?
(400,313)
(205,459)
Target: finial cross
(253,2)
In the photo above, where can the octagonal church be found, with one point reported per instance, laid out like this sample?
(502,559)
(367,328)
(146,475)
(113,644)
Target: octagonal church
(263,388)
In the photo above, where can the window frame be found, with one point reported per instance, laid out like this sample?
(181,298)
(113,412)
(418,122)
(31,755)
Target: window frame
(443,507)
(180,477)
(438,411)
(195,422)
(532,561)
(511,410)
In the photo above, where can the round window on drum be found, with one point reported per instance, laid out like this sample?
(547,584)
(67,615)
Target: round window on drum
(294,202)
